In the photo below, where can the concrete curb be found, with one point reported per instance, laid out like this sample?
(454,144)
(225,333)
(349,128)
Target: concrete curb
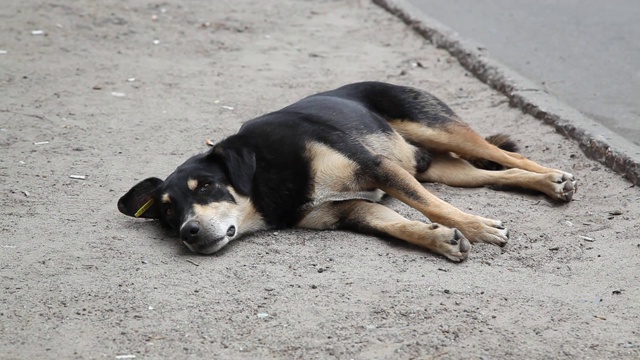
(595,140)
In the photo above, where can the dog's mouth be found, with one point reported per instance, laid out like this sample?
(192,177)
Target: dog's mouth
(208,247)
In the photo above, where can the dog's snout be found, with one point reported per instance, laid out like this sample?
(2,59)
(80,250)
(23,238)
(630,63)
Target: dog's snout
(189,232)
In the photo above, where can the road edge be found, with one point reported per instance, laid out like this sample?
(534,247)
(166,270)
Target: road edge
(596,141)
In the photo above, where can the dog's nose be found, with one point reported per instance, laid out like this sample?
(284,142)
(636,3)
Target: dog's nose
(189,232)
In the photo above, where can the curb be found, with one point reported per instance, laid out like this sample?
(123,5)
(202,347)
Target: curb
(596,141)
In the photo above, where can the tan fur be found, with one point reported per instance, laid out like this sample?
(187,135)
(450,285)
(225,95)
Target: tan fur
(407,189)
(322,217)
(334,177)
(165,198)
(448,169)
(192,184)
(242,212)
(381,219)
(462,140)
(394,147)
(250,218)
(430,236)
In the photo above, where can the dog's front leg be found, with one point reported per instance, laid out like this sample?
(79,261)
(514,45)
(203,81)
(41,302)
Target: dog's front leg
(397,182)
(373,218)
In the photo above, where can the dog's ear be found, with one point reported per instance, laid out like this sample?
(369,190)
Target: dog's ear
(239,164)
(140,200)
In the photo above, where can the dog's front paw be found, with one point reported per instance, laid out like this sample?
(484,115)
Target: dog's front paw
(479,229)
(451,243)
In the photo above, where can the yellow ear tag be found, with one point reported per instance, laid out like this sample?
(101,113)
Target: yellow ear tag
(144,208)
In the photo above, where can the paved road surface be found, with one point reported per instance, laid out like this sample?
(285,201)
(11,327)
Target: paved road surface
(585,52)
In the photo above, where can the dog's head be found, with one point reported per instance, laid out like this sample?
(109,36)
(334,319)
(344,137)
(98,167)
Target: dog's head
(204,198)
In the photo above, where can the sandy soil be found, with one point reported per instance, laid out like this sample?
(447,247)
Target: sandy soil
(80,280)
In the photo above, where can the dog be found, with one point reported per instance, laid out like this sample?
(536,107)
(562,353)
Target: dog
(325,162)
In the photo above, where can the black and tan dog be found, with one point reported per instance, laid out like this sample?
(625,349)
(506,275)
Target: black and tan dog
(324,163)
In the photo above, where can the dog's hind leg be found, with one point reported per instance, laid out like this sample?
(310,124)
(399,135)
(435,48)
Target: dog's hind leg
(395,181)
(449,169)
(373,218)
(457,137)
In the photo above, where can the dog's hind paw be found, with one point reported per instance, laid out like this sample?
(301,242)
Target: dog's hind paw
(562,186)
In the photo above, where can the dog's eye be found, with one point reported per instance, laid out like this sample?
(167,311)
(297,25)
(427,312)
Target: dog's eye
(205,187)
(168,212)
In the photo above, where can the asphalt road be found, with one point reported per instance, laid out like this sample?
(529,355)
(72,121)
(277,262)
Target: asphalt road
(584,52)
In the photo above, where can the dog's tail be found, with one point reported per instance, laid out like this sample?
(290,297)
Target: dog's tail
(502,141)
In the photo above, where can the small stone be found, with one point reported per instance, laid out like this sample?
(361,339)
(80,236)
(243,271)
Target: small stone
(446,291)
(586,238)
(314,286)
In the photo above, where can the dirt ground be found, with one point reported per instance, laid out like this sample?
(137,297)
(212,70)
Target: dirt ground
(124,90)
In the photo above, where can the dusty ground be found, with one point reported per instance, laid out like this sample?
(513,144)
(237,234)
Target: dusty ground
(80,280)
